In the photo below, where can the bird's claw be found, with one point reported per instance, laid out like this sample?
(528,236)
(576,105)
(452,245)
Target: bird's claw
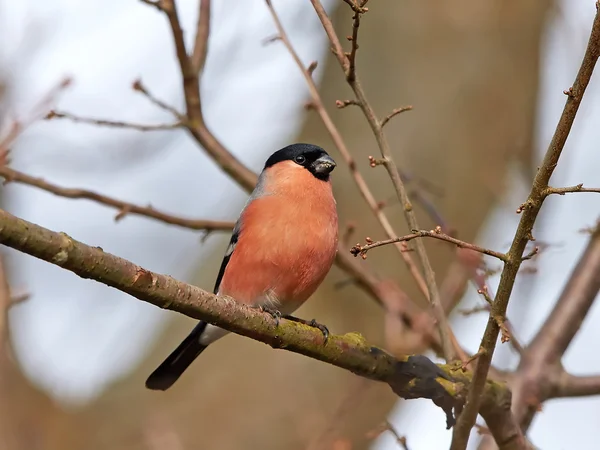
(311,323)
(275,314)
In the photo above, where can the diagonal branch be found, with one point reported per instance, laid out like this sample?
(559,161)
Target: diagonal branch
(202,35)
(409,377)
(534,377)
(435,234)
(576,386)
(112,123)
(11,175)
(195,123)
(523,235)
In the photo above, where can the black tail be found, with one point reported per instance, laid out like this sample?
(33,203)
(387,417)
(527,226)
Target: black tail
(171,369)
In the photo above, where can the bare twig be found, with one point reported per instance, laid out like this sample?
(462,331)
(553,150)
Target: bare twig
(341,104)
(390,165)
(359,249)
(400,440)
(111,123)
(358,11)
(570,189)
(124,208)
(394,113)
(139,87)
(5,304)
(523,235)
(202,35)
(576,386)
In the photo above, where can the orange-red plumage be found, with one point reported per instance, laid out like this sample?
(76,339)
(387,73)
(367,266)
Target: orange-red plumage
(282,247)
(290,233)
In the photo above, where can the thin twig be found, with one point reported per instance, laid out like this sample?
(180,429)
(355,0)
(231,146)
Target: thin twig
(394,174)
(202,35)
(139,87)
(523,235)
(5,304)
(394,113)
(570,189)
(124,208)
(359,249)
(400,440)
(358,11)
(112,123)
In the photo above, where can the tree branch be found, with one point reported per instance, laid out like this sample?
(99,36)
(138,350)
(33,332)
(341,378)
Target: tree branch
(191,88)
(11,175)
(535,377)
(409,377)
(359,249)
(576,386)
(394,174)
(202,34)
(570,189)
(112,123)
(523,235)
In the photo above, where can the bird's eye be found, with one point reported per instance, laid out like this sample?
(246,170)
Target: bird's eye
(300,159)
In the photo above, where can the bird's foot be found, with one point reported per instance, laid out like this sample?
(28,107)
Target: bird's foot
(274,313)
(311,323)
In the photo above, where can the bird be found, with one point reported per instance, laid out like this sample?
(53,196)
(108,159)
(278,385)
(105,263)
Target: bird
(282,247)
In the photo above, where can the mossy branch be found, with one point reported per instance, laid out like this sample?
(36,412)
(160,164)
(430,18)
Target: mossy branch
(409,376)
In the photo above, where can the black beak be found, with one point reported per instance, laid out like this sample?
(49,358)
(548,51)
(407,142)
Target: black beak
(324,165)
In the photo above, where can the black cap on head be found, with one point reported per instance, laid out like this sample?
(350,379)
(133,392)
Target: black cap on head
(311,157)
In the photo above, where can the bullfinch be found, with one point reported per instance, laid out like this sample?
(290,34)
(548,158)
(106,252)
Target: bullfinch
(281,249)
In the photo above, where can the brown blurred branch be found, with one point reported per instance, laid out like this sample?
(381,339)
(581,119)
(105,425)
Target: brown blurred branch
(409,376)
(390,165)
(202,35)
(523,235)
(359,249)
(576,386)
(5,304)
(11,175)
(9,437)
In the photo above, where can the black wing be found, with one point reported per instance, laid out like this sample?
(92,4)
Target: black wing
(232,243)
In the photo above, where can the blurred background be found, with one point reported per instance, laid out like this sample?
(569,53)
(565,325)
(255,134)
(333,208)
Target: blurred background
(486,82)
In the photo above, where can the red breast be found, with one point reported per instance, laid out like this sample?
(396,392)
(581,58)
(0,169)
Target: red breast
(288,239)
